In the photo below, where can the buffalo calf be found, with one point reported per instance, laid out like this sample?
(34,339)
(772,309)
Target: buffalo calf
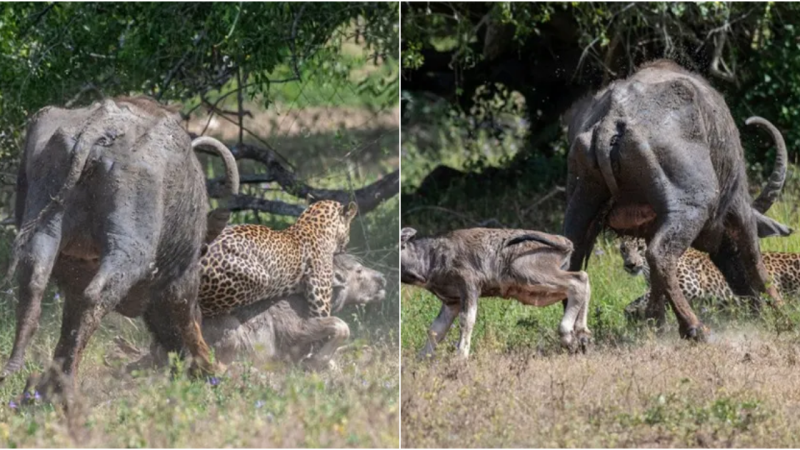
(280,329)
(464,265)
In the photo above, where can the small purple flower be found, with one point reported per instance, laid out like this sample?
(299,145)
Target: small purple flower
(259,404)
(57,297)
(36,395)
(9,292)
(599,252)
(213,381)
(12,404)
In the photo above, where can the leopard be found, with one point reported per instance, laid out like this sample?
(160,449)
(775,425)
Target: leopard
(249,263)
(699,278)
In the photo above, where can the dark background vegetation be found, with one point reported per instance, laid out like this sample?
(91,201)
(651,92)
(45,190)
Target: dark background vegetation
(484,86)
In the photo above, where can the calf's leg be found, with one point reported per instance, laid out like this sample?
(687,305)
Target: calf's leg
(582,291)
(469,312)
(331,330)
(574,322)
(439,328)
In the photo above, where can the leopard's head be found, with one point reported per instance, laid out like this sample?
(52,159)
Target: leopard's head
(633,251)
(346,215)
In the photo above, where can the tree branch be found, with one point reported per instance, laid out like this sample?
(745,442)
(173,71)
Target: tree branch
(724,73)
(84,90)
(293,39)
(367,197)
(215,187)
(249,203)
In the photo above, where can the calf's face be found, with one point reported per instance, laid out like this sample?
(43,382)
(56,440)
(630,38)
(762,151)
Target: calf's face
(412,265)
(355,284)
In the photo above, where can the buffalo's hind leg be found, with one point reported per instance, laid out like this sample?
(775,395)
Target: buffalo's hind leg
(675,234)
(33,274)
(173,317)
(83,312)
(740,261)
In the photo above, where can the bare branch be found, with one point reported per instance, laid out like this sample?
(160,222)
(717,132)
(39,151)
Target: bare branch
(240,103)
(171,75)
(36,18)
(248,202)
(716,61)
(90,87)
(293,39)
(548,196)
(215,187)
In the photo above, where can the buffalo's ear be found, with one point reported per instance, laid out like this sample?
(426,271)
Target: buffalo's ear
(768,227)
(406,234)
(350,211)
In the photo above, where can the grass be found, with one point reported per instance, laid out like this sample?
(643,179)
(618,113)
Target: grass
(634,388)
(250,407)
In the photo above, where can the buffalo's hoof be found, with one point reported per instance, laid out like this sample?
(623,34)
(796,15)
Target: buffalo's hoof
(10,369)
(202,369)
(584,342)
(51,387)
(425,356)
(696,334)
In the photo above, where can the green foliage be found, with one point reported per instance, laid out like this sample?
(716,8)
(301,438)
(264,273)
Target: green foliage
(748,51)
(52,52)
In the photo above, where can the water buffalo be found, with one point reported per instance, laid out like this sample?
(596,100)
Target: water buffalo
(111,200)
(658,156)
(280,329)
(466,264)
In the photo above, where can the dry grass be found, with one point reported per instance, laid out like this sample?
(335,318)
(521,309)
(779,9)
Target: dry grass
(741,390)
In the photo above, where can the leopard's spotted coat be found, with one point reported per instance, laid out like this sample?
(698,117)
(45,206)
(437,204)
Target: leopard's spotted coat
(249,263)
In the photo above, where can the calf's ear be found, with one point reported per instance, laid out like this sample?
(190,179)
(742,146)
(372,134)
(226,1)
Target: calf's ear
(406,234)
